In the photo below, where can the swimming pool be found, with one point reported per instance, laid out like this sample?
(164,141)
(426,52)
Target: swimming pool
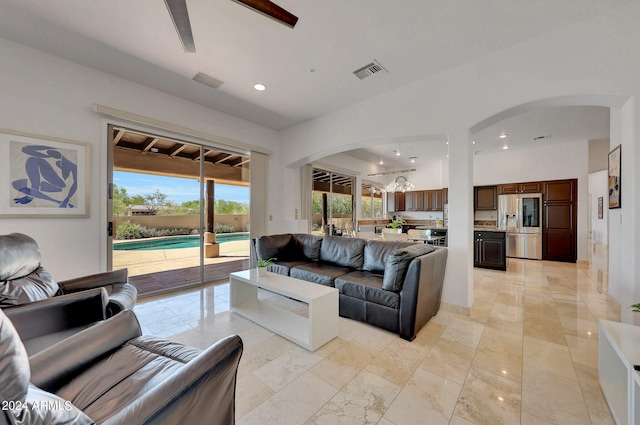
(175,242)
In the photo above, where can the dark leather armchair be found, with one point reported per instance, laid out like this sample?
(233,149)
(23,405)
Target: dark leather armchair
(110,374)
(23,279)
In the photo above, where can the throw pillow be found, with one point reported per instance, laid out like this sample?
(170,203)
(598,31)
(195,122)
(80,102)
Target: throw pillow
(398,263)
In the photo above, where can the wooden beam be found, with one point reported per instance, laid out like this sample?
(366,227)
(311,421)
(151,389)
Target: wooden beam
(176,149)
(225,157)
(150,144)
(242,162)
(118,137)
(128,160)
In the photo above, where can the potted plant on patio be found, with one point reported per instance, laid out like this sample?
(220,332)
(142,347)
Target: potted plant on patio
(263,264)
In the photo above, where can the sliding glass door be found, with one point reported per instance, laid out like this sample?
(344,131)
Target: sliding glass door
(179,210)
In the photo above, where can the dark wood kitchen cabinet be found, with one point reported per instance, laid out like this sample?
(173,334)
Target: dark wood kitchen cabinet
(414,201)
(485,198)
(511,188)
(560,217)
(395,201)
(433,200)
(490,250)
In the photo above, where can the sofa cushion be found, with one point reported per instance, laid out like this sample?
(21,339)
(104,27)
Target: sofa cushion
(347,252)
(322,273)
(284,267)
(367,286)
(376,253)
(38,285)
(398,263)
(307,245)
(47,408)
(272,246)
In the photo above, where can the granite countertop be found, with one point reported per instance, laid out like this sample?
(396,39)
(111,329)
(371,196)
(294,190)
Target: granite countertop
(488,229)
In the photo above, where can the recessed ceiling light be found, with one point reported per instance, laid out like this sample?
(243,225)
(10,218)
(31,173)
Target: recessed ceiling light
(397,153)
(381,162)
(505,146)
(474,142)
(412,159)
(504,135)
(259,87)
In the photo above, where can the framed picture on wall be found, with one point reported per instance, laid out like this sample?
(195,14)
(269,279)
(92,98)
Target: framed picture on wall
(615,188)
(600,207)
(42,176)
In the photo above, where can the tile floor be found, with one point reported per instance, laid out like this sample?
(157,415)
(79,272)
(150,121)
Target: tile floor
(526,354)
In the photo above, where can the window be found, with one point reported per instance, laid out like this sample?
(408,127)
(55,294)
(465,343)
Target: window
(331,202)
(371,200)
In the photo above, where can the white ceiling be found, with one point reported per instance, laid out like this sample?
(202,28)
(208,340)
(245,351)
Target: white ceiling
(308,70)
(562,124)
(412,39)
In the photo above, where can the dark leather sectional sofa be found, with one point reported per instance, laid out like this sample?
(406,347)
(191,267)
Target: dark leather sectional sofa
(396,286)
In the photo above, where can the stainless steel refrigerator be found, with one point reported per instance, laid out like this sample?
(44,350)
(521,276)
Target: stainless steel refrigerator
(521,216)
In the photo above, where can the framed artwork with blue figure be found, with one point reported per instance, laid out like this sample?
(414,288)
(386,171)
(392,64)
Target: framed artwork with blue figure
(43,176)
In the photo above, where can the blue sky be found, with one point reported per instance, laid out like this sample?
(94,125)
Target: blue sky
(177,189)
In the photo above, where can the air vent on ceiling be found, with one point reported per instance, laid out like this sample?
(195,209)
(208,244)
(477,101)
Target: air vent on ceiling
(207,80)
(368,70)
(546,136)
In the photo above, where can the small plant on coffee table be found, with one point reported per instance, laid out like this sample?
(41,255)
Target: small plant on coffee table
(266,263)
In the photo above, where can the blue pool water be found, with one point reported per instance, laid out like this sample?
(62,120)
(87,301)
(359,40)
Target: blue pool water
(175,242)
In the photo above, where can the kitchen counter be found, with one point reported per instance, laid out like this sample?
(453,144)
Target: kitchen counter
(488,229)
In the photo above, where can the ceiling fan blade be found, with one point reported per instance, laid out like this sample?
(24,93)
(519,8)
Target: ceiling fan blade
(180,18)
(270,10)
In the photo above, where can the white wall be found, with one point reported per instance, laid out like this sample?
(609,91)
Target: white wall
(584,64)
(598,187)
(49,96)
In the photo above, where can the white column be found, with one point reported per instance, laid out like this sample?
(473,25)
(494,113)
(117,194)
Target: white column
(458,278)
(259,194)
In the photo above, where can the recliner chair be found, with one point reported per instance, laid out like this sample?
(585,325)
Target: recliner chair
(110,374)
(45,311)
(23,279)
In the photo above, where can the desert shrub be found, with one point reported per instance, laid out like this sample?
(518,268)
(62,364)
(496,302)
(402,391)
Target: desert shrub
(130,230)
(223,228)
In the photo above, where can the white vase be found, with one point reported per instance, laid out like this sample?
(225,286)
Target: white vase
(262,271)
(390,230)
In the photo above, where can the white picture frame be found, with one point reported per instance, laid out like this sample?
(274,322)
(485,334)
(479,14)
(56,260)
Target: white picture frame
(43,176)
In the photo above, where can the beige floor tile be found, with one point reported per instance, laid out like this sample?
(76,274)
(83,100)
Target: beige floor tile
(465,332)
(451,373)
(362,401)
(344,364)
(500,358)
(507,312)
(449,360)
(548,356)
(544,328)
(398,362)
(294,404)
(286,368)
(594,399)
(504,331)
(426,399)
(489,399)
(583,351)
(250,393)
(553,398)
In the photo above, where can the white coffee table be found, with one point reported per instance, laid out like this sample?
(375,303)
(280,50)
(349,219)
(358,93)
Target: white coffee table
(311,333)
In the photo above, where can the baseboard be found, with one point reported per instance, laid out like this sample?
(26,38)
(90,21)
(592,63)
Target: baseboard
(454,308)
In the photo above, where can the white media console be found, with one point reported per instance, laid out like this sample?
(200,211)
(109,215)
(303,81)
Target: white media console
(618,352)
